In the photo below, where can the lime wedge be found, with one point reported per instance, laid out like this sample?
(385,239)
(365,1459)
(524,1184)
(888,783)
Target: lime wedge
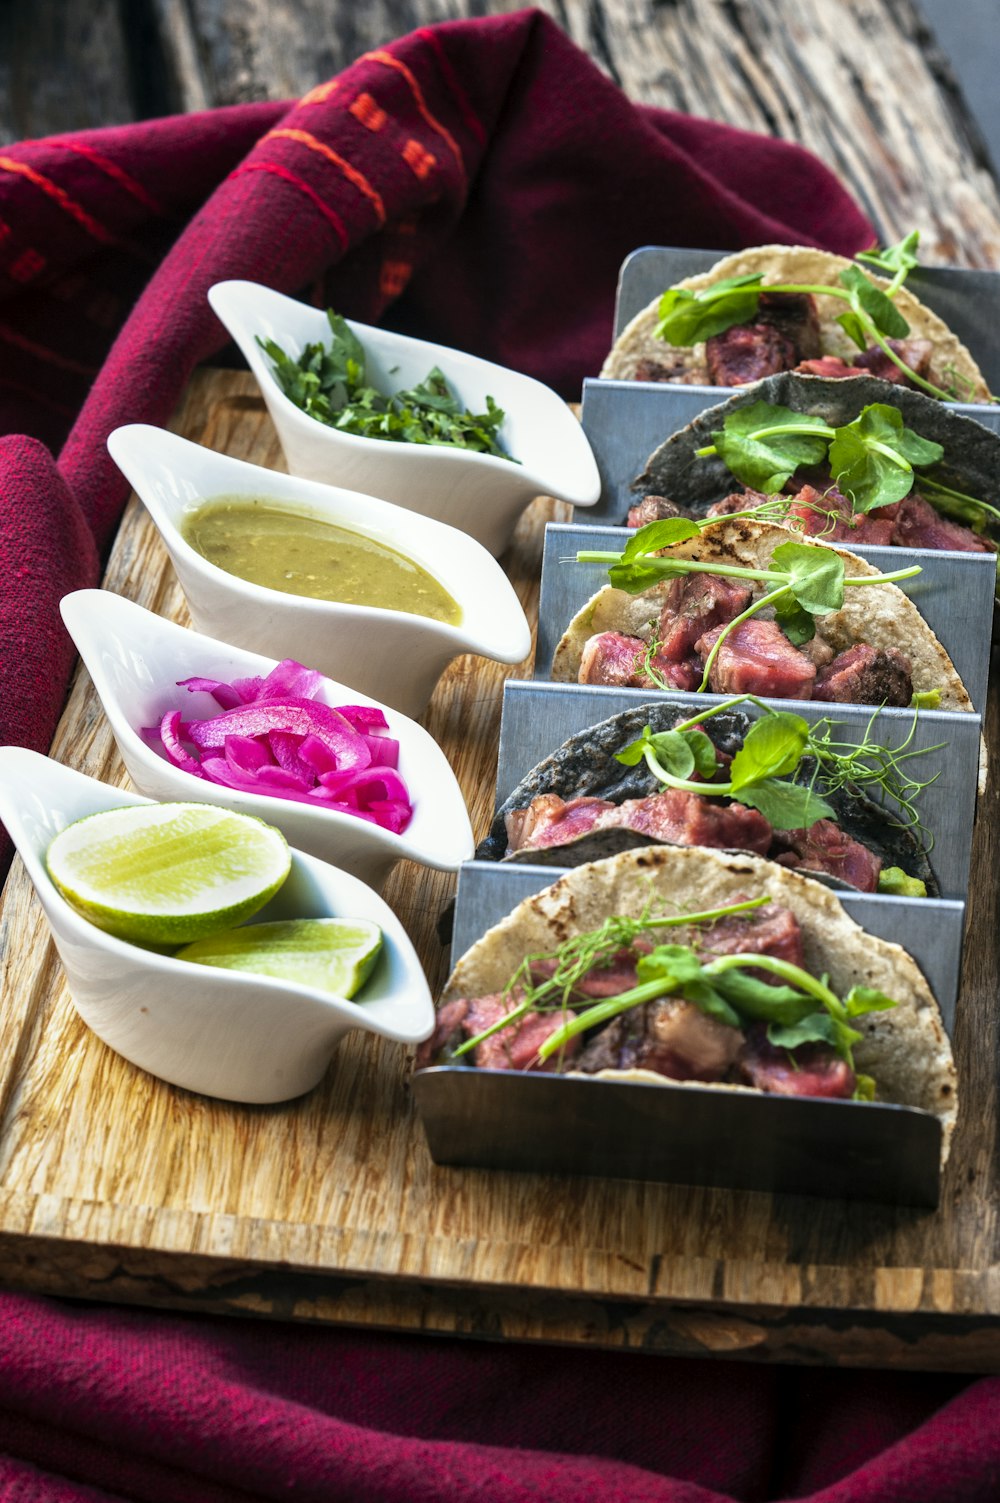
(333,955)
(163,874)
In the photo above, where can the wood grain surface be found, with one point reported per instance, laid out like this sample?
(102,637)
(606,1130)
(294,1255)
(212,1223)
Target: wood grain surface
(118,1186)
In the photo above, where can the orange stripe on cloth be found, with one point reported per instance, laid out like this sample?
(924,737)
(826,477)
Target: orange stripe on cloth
(428,35)
(320,93)
(61,197)
(394,62)
(368,112)
(42,352)
(420,161)
(352,174)
(297,182)
(121,177)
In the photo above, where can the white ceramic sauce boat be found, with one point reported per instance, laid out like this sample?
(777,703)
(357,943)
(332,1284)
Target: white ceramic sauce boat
(394,656)
(479,493)
(135,659)
(222,1033)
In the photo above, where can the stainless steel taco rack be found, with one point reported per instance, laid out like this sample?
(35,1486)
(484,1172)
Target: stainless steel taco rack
(954,594)
(537,719)
(687,1134)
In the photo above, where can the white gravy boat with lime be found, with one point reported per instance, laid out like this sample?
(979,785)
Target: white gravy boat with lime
(223,1033)
(393,656)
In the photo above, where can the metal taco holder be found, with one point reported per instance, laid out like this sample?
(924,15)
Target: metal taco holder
(689,1134)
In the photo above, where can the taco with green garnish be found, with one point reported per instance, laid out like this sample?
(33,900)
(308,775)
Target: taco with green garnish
(774,786)
(776,308)
(737,607)
(678,966)
(833,459)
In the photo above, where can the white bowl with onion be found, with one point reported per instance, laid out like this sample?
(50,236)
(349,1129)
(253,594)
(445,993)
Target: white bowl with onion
(221,1032)
(135,659)
(394,656)
(481,494)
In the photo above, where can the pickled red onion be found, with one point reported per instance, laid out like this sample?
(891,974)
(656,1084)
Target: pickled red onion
(274,736)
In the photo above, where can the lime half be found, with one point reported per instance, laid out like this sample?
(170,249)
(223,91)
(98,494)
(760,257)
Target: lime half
(333,955)
(163,874)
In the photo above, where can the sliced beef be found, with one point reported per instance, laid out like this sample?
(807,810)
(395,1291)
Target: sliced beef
(654,509)
(673,816)
(737,501)
(864,675)
(447,1033)
(825,847)
(831,367)
(611,658)
(677,370)
(747,352)
(516,1047)
(829,512)
(757,658)
(809,1070)
(915,352)
(671,1037)
(694,604)
(794,315)
(615,974)
(766,931)
(689,819)
(551,820)
(918,525)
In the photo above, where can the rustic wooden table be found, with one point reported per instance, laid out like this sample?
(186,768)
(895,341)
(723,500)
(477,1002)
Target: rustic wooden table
(114,1186)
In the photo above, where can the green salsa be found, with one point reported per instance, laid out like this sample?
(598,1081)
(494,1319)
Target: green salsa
(301,553)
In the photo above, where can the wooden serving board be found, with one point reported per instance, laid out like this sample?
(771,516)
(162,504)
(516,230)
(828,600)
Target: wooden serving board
(116,1186)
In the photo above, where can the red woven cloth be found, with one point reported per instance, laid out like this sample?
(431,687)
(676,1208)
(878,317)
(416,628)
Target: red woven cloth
(479,183)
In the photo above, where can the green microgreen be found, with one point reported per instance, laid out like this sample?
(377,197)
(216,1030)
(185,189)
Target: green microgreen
(329,383)
(775,748)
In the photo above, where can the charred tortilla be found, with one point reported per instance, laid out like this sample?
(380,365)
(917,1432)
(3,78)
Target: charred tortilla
(951,363)
(880,615)
(905,1048)
(971,462)
(585,766)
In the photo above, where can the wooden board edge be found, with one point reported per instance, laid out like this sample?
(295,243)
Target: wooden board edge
(914,1341)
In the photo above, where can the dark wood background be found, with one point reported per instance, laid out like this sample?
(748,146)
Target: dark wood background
(865,83)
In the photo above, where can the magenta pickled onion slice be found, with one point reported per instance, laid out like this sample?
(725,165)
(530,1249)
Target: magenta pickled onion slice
(275,737)
(285,749)
(384,750)
(366,784)
(291,680)
(364,717)
(317,755)
(245,754)
(170,730)
(300,717)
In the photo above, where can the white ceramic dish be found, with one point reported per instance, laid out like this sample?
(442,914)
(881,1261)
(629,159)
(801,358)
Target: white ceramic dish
(395,657)
(135,659)
(479,493)
(222,1033)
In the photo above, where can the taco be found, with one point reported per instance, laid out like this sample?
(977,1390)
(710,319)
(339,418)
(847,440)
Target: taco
(593,797)
(813,1006)
(907,472)
(695,630)
(747,334)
